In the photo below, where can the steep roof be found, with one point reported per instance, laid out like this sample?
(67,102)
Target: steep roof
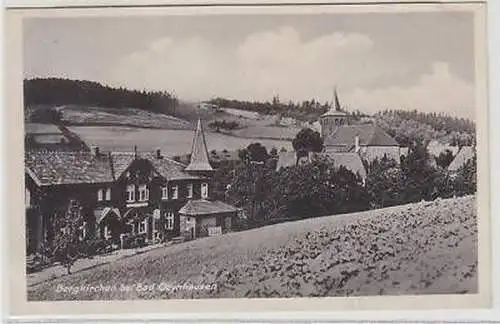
(286,159)
(351,161)
(466,153)
(64,167)
(369,135)
(167,168)
(206,207)
(199,153)
(335,109)
(435,148)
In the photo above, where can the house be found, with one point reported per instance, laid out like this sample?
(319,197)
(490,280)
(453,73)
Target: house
(351,161)
(435,148)
(368,140)
(465,154)
(118,195)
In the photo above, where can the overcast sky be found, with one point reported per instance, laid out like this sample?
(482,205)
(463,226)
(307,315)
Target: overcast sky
(421,61)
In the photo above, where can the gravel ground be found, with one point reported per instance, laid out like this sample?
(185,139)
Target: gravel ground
(423,248)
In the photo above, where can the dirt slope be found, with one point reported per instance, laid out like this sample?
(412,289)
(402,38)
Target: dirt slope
(424,248)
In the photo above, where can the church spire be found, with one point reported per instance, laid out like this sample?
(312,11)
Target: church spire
(336,100)
(199,154)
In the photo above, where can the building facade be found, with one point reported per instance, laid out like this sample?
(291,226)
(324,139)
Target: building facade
(118,196)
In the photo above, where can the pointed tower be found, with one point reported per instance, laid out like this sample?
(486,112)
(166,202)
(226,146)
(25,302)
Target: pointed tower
(199,163)
(333,118)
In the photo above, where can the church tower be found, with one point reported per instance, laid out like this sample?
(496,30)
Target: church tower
(199,163)
(333,118)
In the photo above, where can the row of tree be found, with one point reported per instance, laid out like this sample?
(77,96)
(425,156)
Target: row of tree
(58,91)
(408,127)
(319,188)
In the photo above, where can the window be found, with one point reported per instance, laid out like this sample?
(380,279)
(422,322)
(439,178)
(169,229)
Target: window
(83,231)
(143,193)
(99,194)
(164,192)
(143,226)
(170,220)
(130,193)
(108,194)
(204,190)
(175,192)
(74,209)
(190,190)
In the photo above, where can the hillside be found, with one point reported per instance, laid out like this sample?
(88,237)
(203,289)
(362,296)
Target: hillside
(423,248)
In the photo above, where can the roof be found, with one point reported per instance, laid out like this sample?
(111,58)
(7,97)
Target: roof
(466,153)
(63,167)
(351,161)
(67,167)
(435,148)
(335,109)
(206,207)
(199,153)
(286,159)
(369,135)
(101,213)
(167,168)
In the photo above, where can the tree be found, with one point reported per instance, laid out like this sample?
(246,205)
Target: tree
(444,159)
(307,140)
(466,180)
(254,152)
(384,183)
(67,238)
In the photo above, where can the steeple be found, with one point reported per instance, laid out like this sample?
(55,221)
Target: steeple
(336,100)
(333,118)
(199,162)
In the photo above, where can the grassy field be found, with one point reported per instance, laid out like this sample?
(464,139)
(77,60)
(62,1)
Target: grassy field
(423,248)
(171,142)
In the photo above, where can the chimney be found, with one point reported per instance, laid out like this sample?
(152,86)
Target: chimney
(158,154)
(356,144)
(135,151)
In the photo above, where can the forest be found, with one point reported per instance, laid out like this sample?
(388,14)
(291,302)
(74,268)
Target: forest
(58,91)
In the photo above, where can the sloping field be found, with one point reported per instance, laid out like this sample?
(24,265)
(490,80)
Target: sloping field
(79,115)
(423,248)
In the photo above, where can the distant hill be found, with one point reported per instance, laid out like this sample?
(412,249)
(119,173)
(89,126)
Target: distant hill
(58,91)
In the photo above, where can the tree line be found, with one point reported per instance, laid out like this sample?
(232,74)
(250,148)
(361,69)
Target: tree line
(59,91)
(320,188)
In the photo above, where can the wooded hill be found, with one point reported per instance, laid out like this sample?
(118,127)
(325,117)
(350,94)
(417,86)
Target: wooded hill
(58,91)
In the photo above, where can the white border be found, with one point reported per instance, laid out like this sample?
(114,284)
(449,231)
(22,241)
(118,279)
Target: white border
(451,315)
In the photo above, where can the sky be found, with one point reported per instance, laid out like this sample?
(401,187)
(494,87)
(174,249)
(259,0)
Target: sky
(422,61)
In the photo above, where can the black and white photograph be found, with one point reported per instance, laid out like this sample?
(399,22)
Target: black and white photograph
(252,154)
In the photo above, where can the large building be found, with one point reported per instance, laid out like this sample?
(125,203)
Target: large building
(368,140)
(120,195)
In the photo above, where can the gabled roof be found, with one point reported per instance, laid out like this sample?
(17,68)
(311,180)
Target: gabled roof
(199,153)
(351,161)
(63,167)
(369,135)
(206,207)
(167,168)
(466,153)
(286,159)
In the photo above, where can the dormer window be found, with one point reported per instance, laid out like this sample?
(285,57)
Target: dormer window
(130,193)
(204,190)
(100,194)
(190,190)
(175,192)
(143,193)
(164,192)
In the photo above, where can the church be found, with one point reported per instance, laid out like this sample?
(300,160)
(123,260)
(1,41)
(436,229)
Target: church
(348,145)
(368,140)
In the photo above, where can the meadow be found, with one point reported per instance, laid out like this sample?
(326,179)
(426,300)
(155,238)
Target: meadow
(171,142)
